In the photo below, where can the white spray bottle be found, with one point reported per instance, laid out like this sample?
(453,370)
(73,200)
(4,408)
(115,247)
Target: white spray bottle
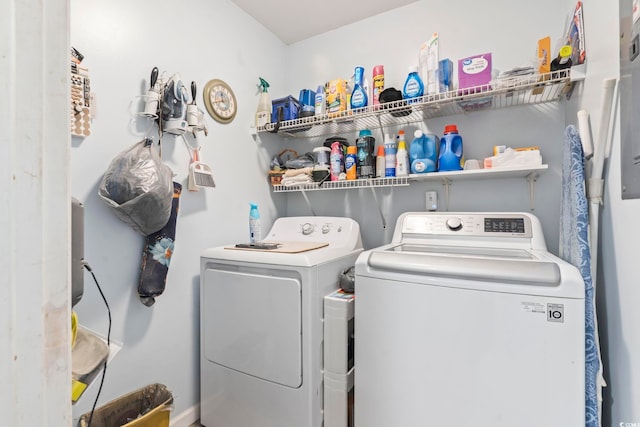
(263,112)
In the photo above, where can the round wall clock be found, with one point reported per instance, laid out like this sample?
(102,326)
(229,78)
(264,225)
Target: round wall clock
(220,101)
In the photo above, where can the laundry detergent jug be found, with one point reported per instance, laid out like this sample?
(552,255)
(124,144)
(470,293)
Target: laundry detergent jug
(423,152)
(450,150)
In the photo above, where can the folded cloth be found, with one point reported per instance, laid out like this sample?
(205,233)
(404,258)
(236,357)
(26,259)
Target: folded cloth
(297,180)
(294,172)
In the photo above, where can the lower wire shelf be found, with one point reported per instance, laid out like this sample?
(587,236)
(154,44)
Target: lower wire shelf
(343,185)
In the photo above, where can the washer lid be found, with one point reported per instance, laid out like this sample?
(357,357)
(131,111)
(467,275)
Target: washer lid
(492,268)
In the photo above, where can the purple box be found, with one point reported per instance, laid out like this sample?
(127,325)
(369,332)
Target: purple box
(474,71)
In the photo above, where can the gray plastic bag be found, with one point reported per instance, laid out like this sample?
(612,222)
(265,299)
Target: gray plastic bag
(138,187)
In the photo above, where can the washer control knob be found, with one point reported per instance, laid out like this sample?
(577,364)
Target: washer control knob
(307,228)
(326,229)
(454,223)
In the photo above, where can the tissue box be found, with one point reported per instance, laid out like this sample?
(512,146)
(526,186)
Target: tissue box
(287,108)
(474,71)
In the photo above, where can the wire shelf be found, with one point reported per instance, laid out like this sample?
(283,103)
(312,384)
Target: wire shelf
(335,185)
(501,93)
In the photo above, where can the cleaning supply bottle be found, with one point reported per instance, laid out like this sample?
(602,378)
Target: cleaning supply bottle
(378,84)
(359,97)
(263,111)
(561,62)
(321,101)
(402,157)
(450,150)
(423,152)
(380,162)
(365,145)
(335,160)
(390,149)
(350,162)
(255,232)
(413,86)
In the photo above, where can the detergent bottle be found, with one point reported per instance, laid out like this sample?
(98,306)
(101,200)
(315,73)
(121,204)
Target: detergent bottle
(263,112)
(359,97)
(450,150)
(365,144)
(255,232)
(413,86)
(423,152)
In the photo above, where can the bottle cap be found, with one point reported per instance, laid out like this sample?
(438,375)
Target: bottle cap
(380,151)
(352,149)
(417,133)
(450,128)
(365,132)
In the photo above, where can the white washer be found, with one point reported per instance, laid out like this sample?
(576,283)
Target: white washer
(466,319)
(261,327)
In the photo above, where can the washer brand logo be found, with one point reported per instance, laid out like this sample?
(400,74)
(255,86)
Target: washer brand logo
(623,424)
(555,313)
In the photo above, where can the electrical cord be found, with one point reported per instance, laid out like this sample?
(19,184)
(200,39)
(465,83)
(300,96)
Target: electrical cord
(104,370)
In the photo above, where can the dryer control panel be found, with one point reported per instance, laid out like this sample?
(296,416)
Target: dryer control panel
(337,231)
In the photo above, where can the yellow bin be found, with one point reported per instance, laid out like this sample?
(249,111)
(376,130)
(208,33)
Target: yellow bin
(148,407)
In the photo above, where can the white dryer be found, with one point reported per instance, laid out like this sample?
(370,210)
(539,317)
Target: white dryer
(261,315)
(466,319)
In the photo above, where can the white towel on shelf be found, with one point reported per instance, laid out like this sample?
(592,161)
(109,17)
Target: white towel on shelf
(296,180)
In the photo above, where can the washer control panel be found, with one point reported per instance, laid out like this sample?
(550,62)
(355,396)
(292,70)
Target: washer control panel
(468,224)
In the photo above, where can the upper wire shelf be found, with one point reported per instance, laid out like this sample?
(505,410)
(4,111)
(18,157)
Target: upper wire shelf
(501,93)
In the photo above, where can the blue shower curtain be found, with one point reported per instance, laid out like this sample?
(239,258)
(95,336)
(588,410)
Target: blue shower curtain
(574,248)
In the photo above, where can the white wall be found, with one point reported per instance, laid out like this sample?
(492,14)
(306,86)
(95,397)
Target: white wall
(393,39)
(122,41)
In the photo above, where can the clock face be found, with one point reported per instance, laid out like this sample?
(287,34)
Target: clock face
(220,101)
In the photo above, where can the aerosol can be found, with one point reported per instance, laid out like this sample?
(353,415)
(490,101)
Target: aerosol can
(174,106)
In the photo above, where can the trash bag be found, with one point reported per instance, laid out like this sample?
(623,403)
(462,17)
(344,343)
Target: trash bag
(149,406)
(138,187)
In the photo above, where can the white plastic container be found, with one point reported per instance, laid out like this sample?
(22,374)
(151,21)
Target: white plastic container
(402,156)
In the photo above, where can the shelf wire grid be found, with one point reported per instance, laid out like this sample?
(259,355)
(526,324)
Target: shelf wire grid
(501,93)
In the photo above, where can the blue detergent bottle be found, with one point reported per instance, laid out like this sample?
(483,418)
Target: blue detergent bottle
(413,85)
(423,153)
(450,150)
(359,95)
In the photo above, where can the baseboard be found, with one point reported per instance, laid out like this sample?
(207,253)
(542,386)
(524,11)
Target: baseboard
(186,418)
